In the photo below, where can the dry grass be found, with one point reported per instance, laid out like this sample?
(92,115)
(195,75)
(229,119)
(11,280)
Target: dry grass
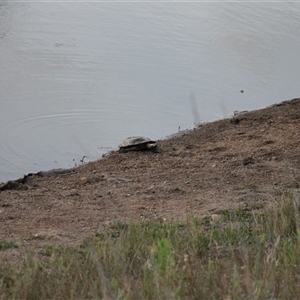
(241,255)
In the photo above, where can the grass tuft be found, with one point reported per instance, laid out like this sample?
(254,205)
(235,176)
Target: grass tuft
(4,244)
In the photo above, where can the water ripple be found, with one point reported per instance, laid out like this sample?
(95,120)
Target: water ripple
(77,78)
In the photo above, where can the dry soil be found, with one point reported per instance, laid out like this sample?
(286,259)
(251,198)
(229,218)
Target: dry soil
(248,162)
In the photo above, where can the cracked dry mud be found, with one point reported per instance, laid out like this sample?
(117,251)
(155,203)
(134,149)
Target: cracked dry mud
(247,161)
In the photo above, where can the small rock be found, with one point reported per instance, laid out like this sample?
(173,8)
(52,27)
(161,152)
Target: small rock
(124,179)
(176,190)
(83,180)
(248,161)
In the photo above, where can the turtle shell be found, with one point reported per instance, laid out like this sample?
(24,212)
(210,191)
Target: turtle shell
(136,143)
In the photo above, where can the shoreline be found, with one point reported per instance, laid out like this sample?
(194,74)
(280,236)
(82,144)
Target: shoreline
(243,162)
(57,171)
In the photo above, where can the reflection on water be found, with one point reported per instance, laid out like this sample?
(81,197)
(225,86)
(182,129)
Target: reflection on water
(77,78)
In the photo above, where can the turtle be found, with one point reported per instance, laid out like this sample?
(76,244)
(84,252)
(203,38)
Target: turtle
(137,143)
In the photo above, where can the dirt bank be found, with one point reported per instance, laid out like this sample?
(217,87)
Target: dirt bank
(247,161)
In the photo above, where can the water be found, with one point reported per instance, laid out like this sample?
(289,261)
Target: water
(79,77)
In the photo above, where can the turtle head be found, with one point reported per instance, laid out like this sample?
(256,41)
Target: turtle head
(151,145)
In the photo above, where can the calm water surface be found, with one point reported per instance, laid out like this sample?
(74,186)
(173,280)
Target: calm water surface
(77,78)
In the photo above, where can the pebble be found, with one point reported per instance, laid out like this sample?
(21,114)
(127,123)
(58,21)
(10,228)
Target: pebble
(83,180)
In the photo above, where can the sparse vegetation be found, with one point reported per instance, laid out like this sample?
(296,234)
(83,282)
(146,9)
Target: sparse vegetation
(242,254)
(4,244)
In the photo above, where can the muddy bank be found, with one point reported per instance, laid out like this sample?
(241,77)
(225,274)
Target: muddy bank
(247,161)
